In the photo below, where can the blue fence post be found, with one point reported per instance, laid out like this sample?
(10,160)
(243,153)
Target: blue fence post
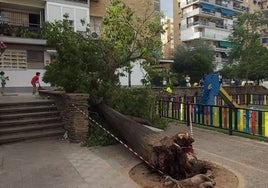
(247,121)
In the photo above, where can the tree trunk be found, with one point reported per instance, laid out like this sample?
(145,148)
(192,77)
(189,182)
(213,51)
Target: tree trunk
(168,155)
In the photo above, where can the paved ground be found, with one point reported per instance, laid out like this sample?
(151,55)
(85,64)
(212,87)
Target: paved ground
(52,163)
(247,158)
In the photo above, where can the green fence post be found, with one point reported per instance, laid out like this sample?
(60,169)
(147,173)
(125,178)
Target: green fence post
(188,113)
(220,117)
(260,123)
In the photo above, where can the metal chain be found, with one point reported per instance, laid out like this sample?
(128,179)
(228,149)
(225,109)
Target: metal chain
(117,139)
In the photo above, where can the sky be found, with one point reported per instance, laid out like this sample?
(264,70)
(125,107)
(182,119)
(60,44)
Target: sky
(167,7)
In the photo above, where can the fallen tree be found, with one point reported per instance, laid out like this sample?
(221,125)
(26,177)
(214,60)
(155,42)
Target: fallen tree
(171,156)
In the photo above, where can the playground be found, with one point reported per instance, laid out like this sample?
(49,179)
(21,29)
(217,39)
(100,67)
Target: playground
(239,111)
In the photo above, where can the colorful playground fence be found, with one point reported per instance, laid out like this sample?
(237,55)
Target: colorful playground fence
(250,121)
(241,99)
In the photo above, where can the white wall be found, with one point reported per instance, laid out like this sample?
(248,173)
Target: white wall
(55,11)
(137,75)
(22,78)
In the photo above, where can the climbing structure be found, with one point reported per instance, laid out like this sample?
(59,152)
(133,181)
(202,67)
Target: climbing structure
(212,88)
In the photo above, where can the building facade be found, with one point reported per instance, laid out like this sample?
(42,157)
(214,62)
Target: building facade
(20,26)
(140,7)
(260,5)
(21,23)
(212,21)
(167,38)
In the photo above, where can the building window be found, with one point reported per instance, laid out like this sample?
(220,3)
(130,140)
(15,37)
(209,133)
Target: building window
(157,6)
(13,59)
(34,20)
(20,18)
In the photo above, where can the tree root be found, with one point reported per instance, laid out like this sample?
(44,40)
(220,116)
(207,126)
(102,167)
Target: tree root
(197,181)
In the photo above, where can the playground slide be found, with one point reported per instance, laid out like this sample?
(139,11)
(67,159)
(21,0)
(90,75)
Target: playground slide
(227,98)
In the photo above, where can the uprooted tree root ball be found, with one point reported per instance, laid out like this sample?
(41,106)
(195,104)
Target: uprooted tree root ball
(215,176)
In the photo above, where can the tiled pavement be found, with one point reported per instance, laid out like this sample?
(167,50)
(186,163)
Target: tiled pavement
(50,163)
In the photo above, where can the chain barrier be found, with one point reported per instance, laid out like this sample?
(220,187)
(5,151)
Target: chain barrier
(117,139)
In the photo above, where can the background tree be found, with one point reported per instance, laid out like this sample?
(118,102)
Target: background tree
(194,59)
(246,50)
(230,71)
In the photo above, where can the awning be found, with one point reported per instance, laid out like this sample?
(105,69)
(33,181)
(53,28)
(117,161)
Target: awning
(208,7)
(224,44)
(227,12)
(265,40)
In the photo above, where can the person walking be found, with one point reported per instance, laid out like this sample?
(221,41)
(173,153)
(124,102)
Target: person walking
(35,82)
(187,80)
(3,80)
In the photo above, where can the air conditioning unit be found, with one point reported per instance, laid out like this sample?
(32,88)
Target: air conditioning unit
(94,35)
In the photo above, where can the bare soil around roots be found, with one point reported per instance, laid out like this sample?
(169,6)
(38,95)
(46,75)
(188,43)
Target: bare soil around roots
(148,178)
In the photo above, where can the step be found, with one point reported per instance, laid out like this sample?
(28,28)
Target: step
(25,109)
(33,115)
(31,127)
(31,135)
(29,121)
(25,104)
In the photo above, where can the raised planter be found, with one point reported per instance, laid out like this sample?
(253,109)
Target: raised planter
(76,124)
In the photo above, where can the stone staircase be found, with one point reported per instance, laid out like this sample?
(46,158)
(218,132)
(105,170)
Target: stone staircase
(29,120)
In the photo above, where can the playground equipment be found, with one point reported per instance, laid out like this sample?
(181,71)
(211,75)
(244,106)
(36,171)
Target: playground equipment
(212,88)
(227,98)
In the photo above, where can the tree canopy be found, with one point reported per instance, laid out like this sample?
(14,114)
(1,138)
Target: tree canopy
(247,52)
(194,59)
(79,58)
(128,37)
(75,58)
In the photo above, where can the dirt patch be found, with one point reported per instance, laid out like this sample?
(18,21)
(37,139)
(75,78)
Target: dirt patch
(148,178)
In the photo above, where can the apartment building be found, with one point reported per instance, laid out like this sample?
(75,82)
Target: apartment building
(211,20)
(260,5)
(20,25)
(167,38)
(140,7)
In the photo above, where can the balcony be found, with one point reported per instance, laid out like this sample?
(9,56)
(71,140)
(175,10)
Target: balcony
(20,31)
